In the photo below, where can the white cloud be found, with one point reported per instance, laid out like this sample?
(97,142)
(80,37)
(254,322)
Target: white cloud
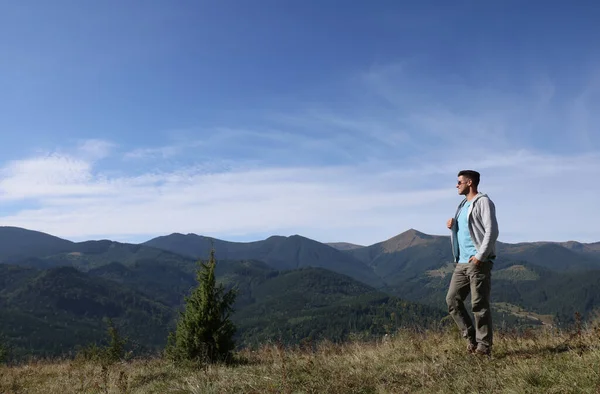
(52,175)
(188,200)
(535,196)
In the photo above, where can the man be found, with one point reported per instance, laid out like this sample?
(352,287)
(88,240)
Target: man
(474,233)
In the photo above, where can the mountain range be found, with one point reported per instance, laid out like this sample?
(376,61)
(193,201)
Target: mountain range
(54,293)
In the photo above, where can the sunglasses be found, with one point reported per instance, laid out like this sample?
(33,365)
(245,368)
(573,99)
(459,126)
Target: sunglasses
(461,183)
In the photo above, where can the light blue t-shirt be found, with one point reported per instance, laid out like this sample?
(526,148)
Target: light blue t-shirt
(466,246)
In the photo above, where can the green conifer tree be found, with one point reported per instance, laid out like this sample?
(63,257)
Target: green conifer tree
(204,331)
(116,348)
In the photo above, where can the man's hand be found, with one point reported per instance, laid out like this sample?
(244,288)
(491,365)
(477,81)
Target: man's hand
(450,223)
(474,260)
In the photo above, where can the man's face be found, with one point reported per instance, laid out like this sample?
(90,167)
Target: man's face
(463,185)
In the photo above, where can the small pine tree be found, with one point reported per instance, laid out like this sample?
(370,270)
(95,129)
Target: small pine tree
(109,354)
(204,331)
(116,348)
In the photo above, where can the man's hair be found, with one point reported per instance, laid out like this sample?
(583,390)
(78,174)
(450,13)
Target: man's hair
(472,175)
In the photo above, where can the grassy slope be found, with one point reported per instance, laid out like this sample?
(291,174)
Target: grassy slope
(430,362)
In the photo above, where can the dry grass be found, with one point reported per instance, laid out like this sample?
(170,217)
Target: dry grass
(433,362)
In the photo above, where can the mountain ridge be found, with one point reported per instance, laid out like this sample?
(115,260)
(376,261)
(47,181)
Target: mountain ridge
(571,244)
(281,253)
(367,263)
(17,242)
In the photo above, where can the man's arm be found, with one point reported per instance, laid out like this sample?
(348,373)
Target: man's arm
(490,224)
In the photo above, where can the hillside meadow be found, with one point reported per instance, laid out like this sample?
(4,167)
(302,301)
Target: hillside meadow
(541,360)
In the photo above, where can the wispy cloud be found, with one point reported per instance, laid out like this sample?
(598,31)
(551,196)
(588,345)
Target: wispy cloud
(42,176)
(538,113)
(95,149)
(583,116)
(350,203)
(240,202)
(163,152)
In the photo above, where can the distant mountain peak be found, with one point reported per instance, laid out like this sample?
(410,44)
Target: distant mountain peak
(410,234)
(275,237)
(405,240)
(188,235)
(16,242)
(415,233)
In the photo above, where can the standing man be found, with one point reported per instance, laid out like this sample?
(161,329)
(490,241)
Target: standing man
(474,233)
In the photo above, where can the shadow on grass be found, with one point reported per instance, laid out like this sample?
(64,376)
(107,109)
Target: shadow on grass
(151,377)
(538,351)
(242,361)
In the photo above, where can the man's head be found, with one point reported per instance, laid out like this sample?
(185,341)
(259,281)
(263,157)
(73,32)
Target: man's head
(468,180)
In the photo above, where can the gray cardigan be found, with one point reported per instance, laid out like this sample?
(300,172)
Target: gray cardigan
(483,227)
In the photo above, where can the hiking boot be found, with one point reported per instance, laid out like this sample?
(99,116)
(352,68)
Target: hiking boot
(471,347)
(483,351)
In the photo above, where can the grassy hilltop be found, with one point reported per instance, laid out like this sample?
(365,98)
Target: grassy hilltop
(407,362)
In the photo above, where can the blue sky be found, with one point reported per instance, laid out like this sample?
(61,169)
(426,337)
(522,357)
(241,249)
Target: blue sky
(239,120)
